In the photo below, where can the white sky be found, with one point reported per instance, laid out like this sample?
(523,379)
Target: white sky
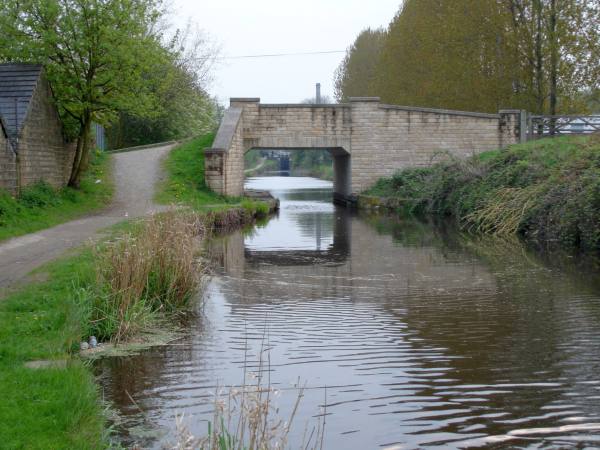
(248,27)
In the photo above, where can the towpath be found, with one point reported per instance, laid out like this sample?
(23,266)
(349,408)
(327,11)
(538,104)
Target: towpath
(136,173)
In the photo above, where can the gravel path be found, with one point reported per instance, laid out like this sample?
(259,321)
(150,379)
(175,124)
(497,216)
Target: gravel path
(136,173)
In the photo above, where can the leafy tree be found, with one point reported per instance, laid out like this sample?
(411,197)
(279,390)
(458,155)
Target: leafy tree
(444,53)
(356,73)
(177,79)
(481,55)
(95,53)
(557,44)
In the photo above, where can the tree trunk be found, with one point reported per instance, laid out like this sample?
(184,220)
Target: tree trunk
(81,160)
(539,58)
(553,37)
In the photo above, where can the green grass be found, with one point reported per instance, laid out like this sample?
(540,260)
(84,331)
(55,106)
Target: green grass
(41,206)
(55,408)
(185,178)
(547,191)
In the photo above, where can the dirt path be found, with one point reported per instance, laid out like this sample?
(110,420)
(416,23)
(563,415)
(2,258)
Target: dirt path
(136,174)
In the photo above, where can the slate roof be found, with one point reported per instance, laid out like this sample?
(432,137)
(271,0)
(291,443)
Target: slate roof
(17,84)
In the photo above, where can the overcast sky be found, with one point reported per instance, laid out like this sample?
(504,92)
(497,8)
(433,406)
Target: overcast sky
(250,27)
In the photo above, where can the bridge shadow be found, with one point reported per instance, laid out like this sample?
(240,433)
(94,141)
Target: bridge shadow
(330,241)
(325,242)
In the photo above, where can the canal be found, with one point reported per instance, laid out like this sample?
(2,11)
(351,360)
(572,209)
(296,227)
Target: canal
(404,334)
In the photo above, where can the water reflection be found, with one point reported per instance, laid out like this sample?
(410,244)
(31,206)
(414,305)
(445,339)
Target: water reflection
(413,336)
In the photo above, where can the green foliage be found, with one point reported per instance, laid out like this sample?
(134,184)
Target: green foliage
(50,407)
(40,206)
(109,61)
(183,107)
(480,55)
(317,163)
(355,76)
(255,208)
(546,191)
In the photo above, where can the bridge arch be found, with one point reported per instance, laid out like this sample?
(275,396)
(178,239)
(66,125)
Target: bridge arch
(367,139)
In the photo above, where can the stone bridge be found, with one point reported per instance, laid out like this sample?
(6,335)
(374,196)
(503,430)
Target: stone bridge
(367,140)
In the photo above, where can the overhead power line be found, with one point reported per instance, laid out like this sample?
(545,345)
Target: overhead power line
(274,55)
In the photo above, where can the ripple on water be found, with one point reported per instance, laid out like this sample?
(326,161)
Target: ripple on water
(406,338)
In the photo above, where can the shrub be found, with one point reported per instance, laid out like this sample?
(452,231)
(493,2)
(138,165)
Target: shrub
(39,195)
(546,190)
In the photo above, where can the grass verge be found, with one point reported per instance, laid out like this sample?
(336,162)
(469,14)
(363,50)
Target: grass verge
(49,407)
(40,206)
(185,178)
(547,191)
(185,184)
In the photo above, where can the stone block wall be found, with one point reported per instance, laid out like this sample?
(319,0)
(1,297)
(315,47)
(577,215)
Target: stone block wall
(388,138)
(8,165)
(297,126)
(43,152)
(224,163)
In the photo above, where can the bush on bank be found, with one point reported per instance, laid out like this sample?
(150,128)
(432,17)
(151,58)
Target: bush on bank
(547,191)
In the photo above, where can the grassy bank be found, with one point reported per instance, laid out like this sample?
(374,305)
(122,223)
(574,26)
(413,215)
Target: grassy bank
(51,407)
(547,191)
(41,206)
(144,275)
(185,178)
(184,184)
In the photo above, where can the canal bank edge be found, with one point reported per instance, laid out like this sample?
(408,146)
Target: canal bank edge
(58,405)
(52,406)
(544,191)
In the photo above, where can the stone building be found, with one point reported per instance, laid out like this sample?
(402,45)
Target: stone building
(32,143)
(8,161)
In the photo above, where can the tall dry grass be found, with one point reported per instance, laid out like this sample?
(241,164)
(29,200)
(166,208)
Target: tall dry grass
(152,269)
(248,418)
(504,212)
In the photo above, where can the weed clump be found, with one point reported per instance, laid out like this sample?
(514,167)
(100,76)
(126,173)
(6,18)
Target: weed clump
(152,269)
(547,191)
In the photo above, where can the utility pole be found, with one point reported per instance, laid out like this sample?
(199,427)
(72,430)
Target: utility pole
(318,96)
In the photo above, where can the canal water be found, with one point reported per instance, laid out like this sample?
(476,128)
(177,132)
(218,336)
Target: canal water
(404,334)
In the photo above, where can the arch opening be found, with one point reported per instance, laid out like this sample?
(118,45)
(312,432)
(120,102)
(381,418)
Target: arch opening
(284,161)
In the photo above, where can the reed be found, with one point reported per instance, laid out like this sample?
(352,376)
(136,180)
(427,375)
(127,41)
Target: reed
(248,418)
(152,269)
(503,212)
